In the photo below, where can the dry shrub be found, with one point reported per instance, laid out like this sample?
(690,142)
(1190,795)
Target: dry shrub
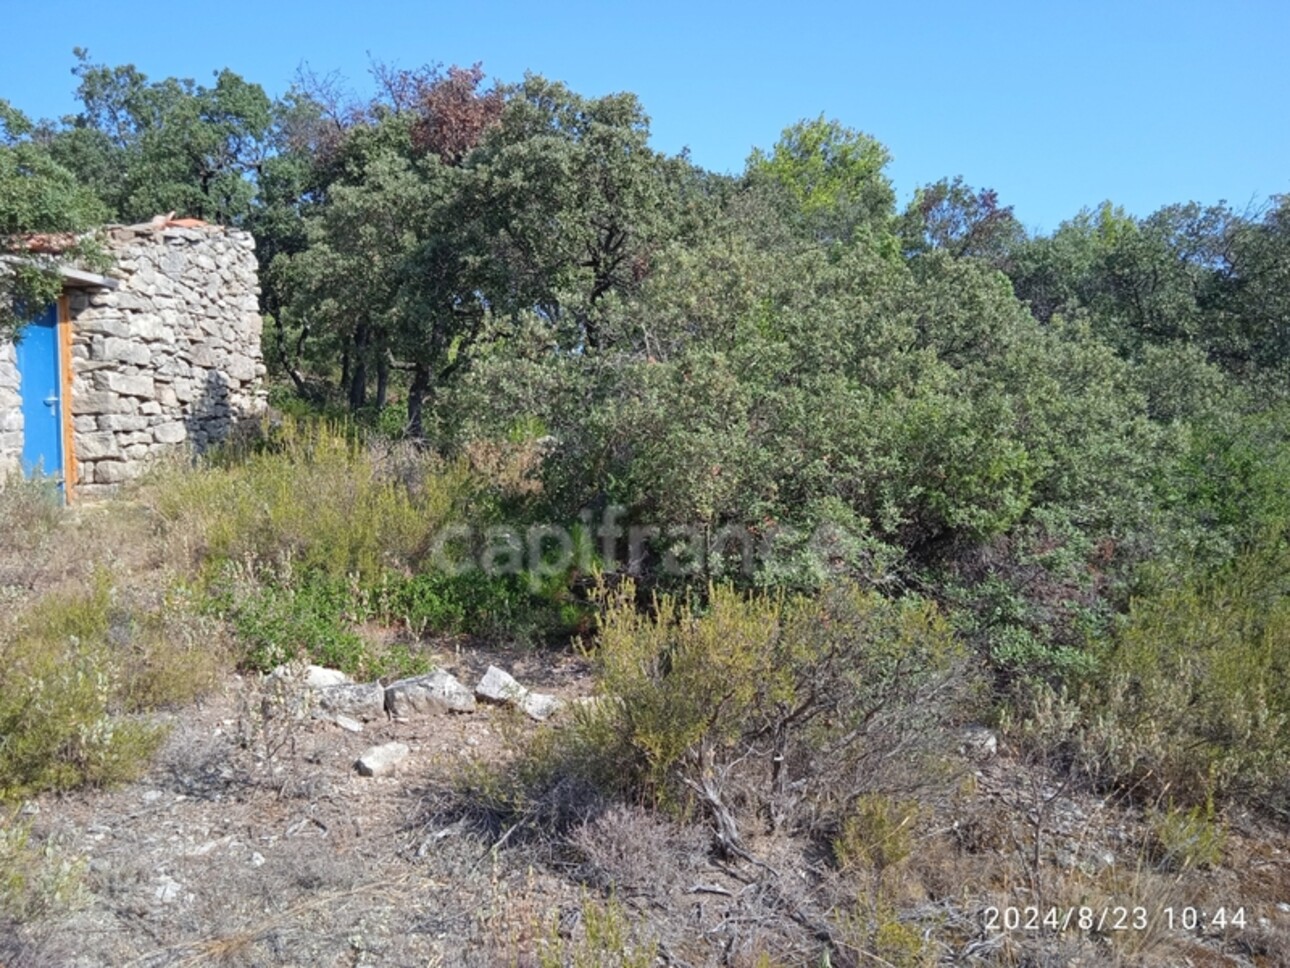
(1195,699)
(313,494)
(629,850)
(791,709)
(35,878)
(29,512)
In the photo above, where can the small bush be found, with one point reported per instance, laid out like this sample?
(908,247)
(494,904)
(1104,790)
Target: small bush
(281,618)
(522,606)
(29,512)
(1186,839)
(606,938)
(35,880)
(77,667)
(878,833)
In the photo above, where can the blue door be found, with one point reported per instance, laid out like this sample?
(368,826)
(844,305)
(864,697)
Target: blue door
(38,371)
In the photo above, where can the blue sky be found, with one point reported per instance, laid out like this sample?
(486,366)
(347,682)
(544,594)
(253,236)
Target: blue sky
(1055,105)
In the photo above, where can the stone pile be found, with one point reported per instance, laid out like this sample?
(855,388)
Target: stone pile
(337,699)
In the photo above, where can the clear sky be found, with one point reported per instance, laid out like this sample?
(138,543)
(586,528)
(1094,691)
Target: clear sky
(1056,105)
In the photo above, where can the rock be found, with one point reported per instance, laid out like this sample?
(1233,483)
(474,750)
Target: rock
(540,706)
(347,724)
(365,701)
(427,695)
(381,760)
(320,677)
(978,743)
(499,686)
(168,889)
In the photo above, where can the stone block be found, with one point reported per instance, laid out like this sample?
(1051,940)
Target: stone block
(125,422)
(114,472)
(130,385)
(170,433)
(127,351)
(95,446)
(435,693)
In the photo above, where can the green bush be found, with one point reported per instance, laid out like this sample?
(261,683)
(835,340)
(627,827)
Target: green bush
(744,697)
(80,666)
(1194,701)
(35,880)
(60,700)
(281,618)
(524,606)
(1184,839)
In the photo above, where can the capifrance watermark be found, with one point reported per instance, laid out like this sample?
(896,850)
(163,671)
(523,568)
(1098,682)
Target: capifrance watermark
(607,542)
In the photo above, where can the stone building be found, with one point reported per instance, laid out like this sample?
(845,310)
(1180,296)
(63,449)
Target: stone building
(160,354)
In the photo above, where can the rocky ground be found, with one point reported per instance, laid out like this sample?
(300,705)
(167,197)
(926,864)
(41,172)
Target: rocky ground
(254,840)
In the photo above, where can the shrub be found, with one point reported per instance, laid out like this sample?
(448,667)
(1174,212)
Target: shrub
(34,879)
(312,494)
(77,667)
(768,702)
(1184,839)
(1195,701)
(524,606)
(280,618)
(877,833)
(29,512)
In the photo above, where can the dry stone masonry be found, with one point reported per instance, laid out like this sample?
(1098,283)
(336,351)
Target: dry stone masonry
(10,411)
(169,358)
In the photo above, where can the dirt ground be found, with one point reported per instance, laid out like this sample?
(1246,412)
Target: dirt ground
(252,844)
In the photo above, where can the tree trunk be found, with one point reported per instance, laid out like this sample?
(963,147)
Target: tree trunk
(417,394)
(358,380)
(382,383)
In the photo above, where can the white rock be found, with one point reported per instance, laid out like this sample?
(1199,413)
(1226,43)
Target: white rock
(381,760)
(540,706)
(978,743)
(347,724)
(320,677)
(168,889)
(425,695)
(500,686)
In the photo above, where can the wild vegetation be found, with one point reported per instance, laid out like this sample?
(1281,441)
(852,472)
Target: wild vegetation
(874,475)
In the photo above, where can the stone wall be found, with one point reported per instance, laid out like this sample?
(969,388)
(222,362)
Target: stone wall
(171,357)
(10,412)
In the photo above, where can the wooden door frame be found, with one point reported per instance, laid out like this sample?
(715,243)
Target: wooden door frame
(66,378)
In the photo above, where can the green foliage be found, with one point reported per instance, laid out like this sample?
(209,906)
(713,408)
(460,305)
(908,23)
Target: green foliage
(1185,839)
(878,833)
(310,618)
(313,496)
(834,176)
(524,606)
(35,879)
(37,195)
(149,147)
(60,701)
(838,681)
(607,938)
(1195,700)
